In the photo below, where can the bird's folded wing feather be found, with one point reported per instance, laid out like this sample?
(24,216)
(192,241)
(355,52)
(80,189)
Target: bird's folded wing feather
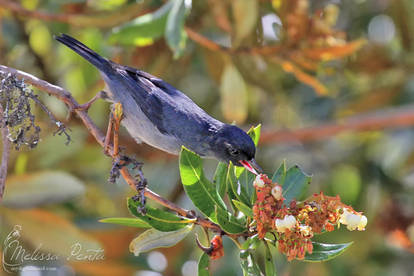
(161,103)
(145,97)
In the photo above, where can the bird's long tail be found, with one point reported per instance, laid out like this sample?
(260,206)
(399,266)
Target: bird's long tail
(98,61)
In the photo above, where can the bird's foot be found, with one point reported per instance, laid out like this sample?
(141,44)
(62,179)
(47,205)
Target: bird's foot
(114,122)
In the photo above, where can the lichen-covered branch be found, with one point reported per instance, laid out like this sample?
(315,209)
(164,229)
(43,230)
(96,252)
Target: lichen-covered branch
(5,152)
(73,106)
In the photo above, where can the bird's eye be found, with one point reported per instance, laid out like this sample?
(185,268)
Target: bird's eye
(233,151)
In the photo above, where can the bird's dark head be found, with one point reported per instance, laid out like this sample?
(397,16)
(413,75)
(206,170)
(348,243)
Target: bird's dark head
(233,144)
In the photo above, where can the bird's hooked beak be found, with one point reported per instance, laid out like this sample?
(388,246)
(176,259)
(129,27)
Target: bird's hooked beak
(252,166)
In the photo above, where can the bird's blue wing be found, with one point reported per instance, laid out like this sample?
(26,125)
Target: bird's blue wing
(146,97)
(165,106)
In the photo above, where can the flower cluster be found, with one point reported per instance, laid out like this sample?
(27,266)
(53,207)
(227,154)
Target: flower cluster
(296,224)
(267,205)
(217,250)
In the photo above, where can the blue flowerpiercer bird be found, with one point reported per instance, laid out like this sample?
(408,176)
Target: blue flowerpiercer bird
(160,115)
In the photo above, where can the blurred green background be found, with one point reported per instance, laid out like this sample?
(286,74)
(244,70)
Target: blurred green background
(288,65)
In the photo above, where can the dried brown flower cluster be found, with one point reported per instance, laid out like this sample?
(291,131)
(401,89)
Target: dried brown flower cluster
(217,249)
(312,28)
(296,224)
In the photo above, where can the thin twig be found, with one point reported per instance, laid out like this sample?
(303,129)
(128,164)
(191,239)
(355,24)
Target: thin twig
(61,127)
(5,153)
(61,94)
(67,98)
(102,20)
(392,118)
(213,46)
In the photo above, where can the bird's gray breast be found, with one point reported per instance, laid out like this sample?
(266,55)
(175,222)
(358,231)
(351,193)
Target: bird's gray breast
(138,125)
(142,129)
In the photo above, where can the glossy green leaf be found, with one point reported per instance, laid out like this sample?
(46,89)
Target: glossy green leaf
(243,208)
(246,180)
(238,190)
(269,264)
(229,223)
(159,219)
(143,30)
(293,181)
(325,252)
(34,189)
(202,192)
(220,179)
(254,133)
(132,222)
(295,184)
(153,238)
(175,35)
(203,264)
(280,174)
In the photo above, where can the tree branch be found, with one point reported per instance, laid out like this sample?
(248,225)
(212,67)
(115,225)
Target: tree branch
(125,14)
(102,20)
(213,46)
(391,118)
(5,154)
(67,98)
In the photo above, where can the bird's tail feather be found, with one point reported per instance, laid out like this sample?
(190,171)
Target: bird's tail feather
(98,61)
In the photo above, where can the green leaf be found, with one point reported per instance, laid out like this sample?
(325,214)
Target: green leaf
(107,5)
(280,174)
(238,190)
(230,223)
(220,179)
(159,219)
(203,264)
(269,265)
(153,238)
(325,252)
(243,208)
(251,242)
(47,187)
(144,29)
(245,15)
(245,180)
(346,182)
(248,264)
(175,35)
(201,191)
(295,183)
(133,222)
(233,94)
(254,133)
